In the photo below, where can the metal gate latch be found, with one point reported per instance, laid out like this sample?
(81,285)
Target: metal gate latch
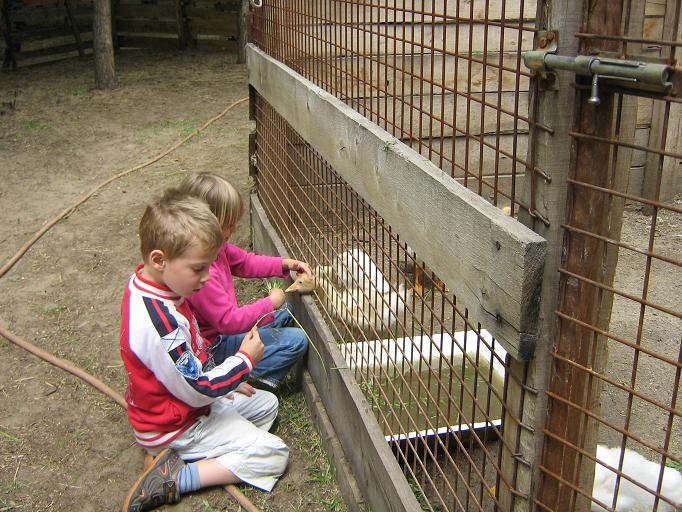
(626,74)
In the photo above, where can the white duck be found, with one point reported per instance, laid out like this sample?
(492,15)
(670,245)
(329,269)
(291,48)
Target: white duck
(356,269)
(357,306)
(632,498)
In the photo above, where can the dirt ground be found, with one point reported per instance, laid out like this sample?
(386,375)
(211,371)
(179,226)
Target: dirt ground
(63,445)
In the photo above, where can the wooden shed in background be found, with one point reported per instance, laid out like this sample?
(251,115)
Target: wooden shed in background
(38,31)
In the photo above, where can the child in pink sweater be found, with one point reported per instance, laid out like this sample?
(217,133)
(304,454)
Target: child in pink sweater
(221,319)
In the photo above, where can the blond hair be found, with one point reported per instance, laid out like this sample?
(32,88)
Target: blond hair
(222,198)
(175,221)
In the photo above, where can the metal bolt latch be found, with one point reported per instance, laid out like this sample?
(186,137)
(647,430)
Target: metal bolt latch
(626,74)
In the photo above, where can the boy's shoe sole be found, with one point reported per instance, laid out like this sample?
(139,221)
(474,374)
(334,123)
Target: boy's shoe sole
(265,384)
(156,486)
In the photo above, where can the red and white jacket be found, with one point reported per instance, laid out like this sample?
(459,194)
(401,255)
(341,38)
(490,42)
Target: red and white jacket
(163,353)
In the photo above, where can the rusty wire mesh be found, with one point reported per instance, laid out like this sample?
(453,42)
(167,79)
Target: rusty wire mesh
(445,77)
(435,380)
(621,387)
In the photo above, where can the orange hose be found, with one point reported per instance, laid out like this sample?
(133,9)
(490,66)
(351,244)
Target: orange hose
(102,387)
(63,363)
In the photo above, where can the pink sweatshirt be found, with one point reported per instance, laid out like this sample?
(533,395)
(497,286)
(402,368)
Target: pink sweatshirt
(215,305)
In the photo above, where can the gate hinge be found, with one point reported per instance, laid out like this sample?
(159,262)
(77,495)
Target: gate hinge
(624,74)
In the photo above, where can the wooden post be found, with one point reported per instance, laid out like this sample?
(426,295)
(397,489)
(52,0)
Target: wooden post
(183,26)
(74,27)
(244,30)
(114,27)
(592,211)
(9,60)
(105,73)
(551,153)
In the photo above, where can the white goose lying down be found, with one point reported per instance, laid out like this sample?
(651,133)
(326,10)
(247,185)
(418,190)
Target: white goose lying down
(632,498)
(365,307)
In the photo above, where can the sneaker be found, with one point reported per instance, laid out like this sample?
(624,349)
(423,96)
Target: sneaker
(157,485)
(264,383)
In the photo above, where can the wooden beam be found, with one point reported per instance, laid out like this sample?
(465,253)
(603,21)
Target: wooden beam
(600,165)
(491,262)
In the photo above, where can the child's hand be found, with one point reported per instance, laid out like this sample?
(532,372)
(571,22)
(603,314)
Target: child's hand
(253,345)
(298,266)
(277,297)
(245,389)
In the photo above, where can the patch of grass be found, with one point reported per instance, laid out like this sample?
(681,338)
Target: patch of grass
(5,435)
(674,465)
(416,489)
(389,143)
(321,474)
(206,507)
(271,284)
(333,504)
(34,125)
(295,418)
(186,126)
(53,309)
(80,90)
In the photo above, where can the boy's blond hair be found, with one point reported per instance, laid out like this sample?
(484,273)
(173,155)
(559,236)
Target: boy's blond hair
(222,198)
(175,221)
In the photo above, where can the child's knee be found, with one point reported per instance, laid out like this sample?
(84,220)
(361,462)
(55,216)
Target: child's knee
(280,457)
(301,341)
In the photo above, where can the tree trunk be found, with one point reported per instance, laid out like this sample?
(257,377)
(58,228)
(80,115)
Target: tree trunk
(105,74)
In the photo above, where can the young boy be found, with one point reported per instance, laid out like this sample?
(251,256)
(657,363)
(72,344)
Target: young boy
(180,411)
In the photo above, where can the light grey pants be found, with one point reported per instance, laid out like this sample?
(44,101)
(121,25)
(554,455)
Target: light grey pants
(235,433)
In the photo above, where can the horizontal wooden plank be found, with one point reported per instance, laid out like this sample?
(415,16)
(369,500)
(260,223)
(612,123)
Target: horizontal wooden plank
(23,61)
(389,11)
(53,42)
(144,11)
(498,260)
(379,39)
(654,8)
(414,115)
(165,4)
(158,41)
(212,11)
(355,77)
(226,26)
(32,55)
(162,26)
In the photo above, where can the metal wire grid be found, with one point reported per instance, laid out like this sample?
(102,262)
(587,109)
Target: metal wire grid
(631,368)
(446,432)
(445,77)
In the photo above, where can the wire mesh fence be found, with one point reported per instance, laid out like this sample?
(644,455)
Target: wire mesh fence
(625,375)
(435,380)
(446,78)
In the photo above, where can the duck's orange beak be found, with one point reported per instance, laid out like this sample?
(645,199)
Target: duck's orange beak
(293,287)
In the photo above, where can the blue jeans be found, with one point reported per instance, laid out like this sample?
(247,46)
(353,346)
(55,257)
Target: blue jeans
(284,346)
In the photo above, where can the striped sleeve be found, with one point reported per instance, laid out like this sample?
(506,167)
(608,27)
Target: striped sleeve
(164,346)
(217,382)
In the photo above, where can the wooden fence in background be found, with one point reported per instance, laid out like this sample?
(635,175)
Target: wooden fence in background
(38,31)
